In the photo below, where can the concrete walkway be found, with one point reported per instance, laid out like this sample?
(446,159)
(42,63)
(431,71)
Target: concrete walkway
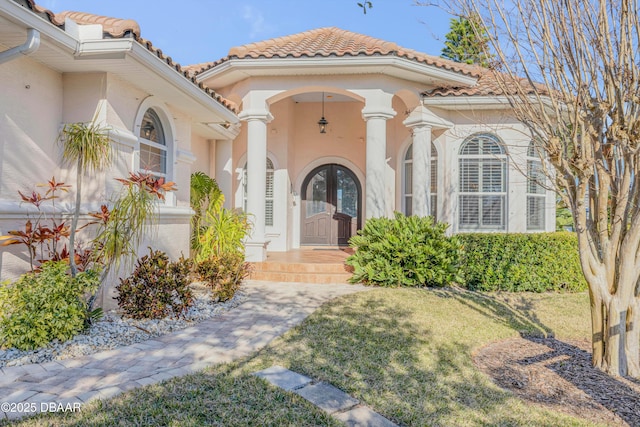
(270,310)
(330,399)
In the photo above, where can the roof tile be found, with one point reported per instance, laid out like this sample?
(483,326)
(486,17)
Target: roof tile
(490,83)
(114,27)
(331,41)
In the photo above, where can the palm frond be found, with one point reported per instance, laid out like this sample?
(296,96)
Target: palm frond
(88,145)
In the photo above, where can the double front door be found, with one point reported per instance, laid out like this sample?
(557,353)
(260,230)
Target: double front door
(330,207)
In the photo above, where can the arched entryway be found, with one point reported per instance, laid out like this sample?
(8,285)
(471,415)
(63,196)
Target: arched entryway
(331,210)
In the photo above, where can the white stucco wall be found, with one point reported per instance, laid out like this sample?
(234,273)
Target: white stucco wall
(516,140)
(204,152)
(30,114)
(36,101)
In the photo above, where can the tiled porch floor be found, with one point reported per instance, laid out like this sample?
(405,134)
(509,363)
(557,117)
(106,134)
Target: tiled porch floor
(313,255)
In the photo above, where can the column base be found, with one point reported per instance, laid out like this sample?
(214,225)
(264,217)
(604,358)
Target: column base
(255,251)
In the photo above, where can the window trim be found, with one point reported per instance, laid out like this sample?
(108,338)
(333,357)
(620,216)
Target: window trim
(169,132)
(533,159)
(153,144)
(478,160)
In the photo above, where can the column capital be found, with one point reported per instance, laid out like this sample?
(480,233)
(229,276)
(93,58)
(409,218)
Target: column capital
(422,117)
(378,113)
(250,115)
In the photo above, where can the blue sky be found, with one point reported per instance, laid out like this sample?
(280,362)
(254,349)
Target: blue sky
(192,31)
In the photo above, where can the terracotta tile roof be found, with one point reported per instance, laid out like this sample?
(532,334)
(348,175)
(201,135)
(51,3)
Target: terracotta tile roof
(120,28)
(114,27)
(487,85)
(331,41)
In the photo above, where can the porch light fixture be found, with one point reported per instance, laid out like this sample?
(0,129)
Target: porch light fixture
(322,123)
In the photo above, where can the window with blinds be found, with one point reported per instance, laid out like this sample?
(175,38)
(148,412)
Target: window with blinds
(536,193)
(407,181)
(482,191)
(268,214)
(153,145)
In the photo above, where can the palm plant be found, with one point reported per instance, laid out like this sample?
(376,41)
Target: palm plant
(202,186)
(214,229)
(123,228)
(224,230)
(88,146)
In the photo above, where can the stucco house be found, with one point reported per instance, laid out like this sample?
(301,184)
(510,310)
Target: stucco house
(74,67)
(311,134)
(406,132)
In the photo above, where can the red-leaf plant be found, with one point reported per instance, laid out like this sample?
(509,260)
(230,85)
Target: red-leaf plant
(46,235)
(44,232)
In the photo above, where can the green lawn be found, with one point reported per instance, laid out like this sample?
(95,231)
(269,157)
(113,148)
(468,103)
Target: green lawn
(406,353)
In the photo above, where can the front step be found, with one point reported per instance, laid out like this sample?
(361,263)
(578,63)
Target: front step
(300,272)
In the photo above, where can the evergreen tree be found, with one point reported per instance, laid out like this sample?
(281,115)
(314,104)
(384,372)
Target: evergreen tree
(467,42)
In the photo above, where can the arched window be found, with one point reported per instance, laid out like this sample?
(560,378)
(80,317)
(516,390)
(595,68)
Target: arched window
(268,214)
(153,145)
(536,193)
(407,198)
(483,184)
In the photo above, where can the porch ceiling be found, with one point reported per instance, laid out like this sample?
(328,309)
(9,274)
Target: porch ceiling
(317,97)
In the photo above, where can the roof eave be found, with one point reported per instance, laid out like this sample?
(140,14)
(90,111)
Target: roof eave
(186,86)
(22,16)
(467,102)
(248,67)
(116,48)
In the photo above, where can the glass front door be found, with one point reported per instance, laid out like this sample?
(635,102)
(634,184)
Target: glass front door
(330,206)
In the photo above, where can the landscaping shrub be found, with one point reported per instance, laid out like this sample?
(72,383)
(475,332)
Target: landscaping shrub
(521,262)
(404,251)
(215,228)
(223,272)
(157,288)
(40,307)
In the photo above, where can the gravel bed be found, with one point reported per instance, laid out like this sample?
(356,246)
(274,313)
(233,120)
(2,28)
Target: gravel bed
(114,331)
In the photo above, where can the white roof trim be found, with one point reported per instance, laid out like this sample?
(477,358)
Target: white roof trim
(113,49)
(181,82)
(452,102)
(27,18)
(247,65)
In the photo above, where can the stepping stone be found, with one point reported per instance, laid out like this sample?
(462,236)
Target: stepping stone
(364,417)
(283,378)
(327,397)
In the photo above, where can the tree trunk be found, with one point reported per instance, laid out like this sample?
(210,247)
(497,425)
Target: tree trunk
(615,349)
(597,329)
(74,222)
(621,337)
(633,339)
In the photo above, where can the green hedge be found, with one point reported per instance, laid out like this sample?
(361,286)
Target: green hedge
(521,262)
(404,251)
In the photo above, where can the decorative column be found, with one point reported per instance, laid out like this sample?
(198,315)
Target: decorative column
(422,121)
(222,159)
(256,244)
(376,116)
(421,191)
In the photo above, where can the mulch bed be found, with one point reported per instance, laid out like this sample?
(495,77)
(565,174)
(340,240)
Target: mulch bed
(559,375)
